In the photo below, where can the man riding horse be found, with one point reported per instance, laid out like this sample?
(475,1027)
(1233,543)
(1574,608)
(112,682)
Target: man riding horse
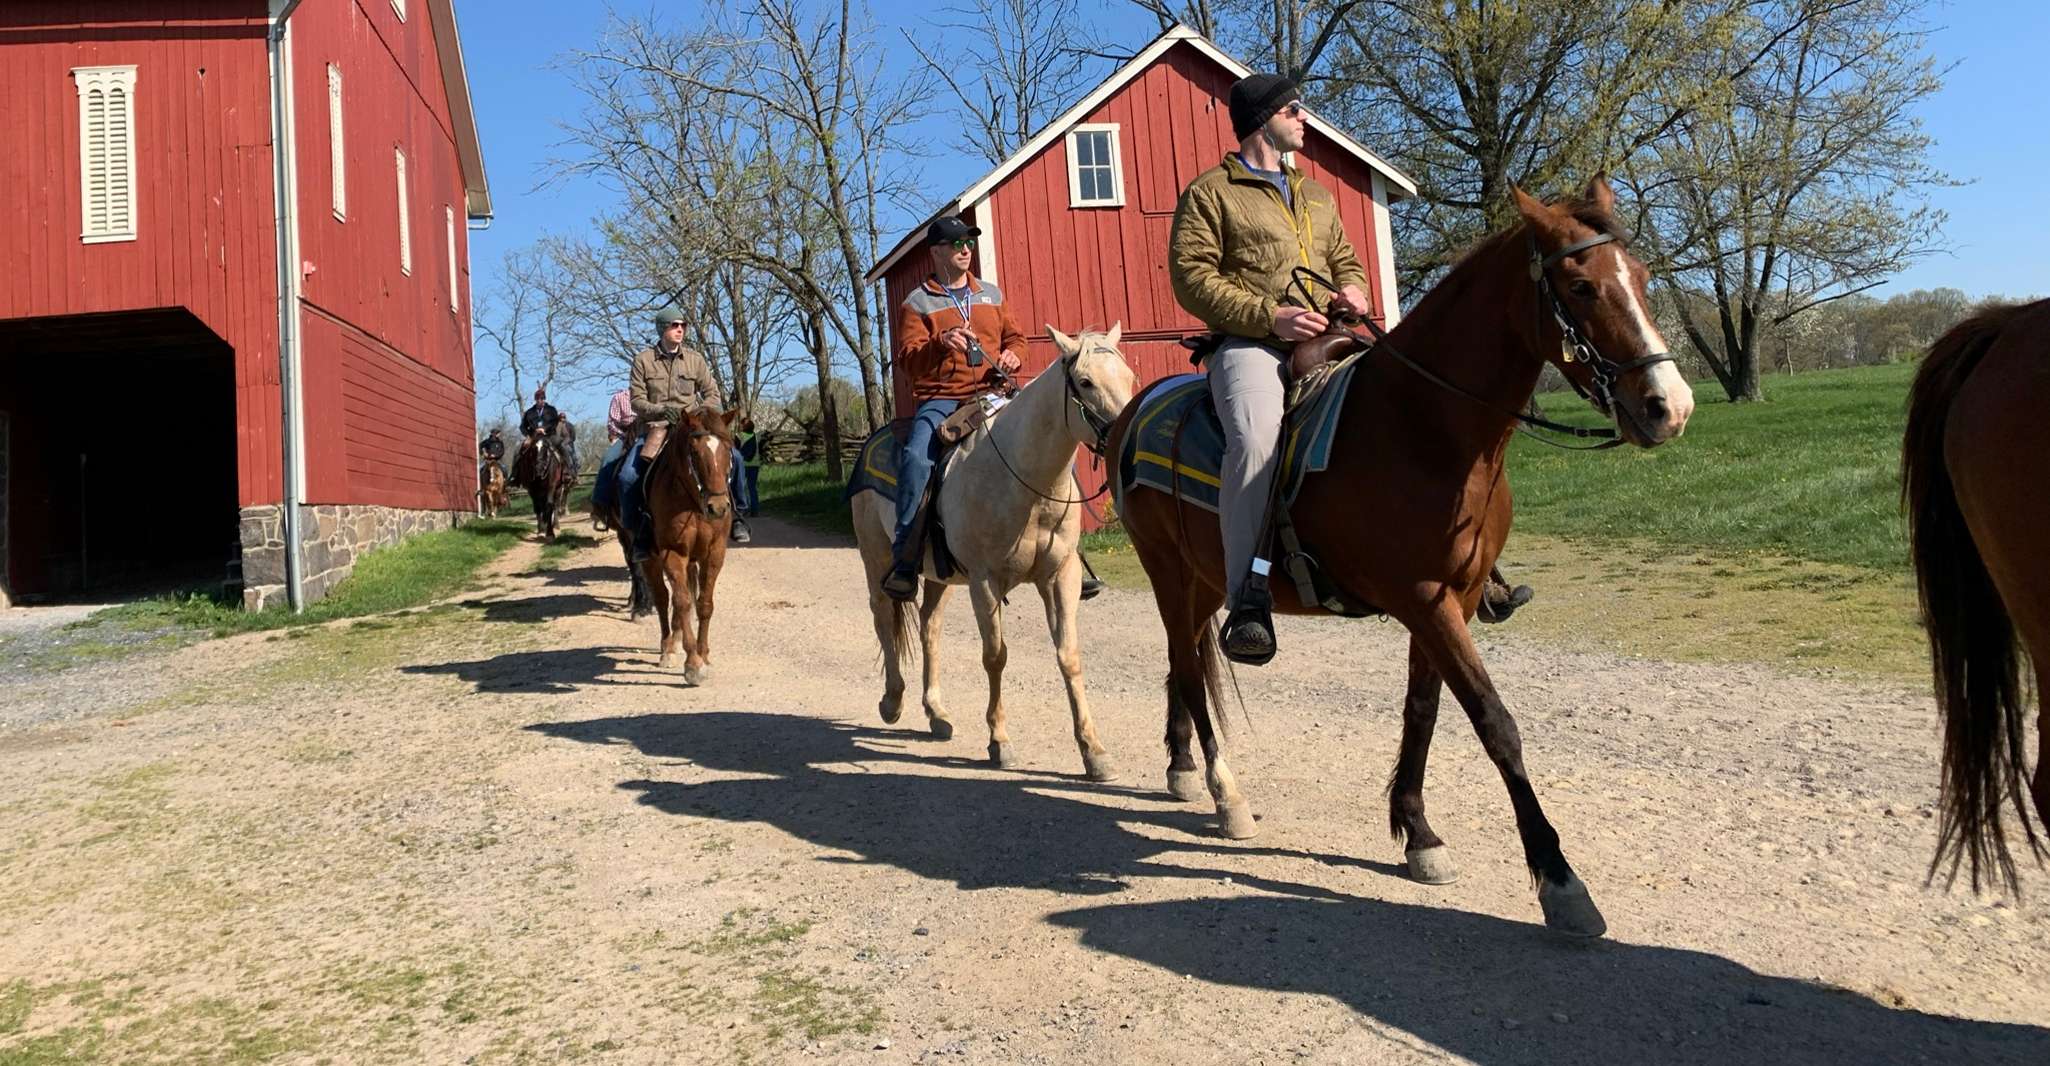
(1240,230)
(669,380)
(540,425)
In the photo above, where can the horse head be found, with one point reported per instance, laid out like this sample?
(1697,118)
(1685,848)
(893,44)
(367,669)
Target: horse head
(1590,290)
(1098,381)
(707,439)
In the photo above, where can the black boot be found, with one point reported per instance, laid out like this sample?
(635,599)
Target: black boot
(1248,636)
(1091,584)
(1499,600)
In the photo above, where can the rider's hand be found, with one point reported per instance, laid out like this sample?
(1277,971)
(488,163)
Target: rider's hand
(1353,301)
(1010,362)
(956,339)
(1298,323)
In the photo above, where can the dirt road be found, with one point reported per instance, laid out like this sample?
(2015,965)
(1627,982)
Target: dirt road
(493,831)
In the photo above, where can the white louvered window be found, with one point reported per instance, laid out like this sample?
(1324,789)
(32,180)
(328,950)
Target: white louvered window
(106,149)
(449,215)
(405,220)
(336,157)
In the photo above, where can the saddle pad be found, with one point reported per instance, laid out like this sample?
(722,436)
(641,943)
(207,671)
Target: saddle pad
(1153,458)
(875,467)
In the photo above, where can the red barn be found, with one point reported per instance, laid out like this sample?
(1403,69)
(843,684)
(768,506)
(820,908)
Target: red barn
(164,386)
(1075,224)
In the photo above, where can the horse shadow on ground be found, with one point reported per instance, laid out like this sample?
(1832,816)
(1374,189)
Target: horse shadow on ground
(1486,988)
(538,608)
(560,670)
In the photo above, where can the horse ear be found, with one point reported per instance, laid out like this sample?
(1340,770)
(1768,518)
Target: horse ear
(1062,341)
(1599,193)
(1117,329)
(1530,207)
(730,416)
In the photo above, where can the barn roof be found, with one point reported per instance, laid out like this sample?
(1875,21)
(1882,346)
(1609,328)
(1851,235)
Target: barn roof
(469,151)
(1399,183)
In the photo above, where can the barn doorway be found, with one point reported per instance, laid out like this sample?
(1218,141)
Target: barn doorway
(118,468)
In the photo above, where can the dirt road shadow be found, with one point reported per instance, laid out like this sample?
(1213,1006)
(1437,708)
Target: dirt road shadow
(560,670)
(832,784)
(1496,991)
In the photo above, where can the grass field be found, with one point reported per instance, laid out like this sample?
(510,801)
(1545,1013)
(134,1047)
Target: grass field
(1771,531)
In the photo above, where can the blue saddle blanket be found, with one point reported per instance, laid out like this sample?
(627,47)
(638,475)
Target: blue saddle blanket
(1181,407)
(875,468)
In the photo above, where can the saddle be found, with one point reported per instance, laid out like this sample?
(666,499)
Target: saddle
(1306,369)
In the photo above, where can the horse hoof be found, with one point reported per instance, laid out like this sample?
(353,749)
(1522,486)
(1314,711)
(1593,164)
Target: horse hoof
(942,729)
(891,710)
(1570,910)
(1002,756)
(1099,768)
(666,662)
(1236,821)
(695,675)
(1432,865)
(1187,785)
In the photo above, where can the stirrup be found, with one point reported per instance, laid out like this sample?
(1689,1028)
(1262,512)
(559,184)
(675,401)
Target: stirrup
(1495,612)
(1091,585)
(1248,637)
(901,583)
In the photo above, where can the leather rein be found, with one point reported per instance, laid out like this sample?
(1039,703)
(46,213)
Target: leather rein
(1096,424)
(1578,348)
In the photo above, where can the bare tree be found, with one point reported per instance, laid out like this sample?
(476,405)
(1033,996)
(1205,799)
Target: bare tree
(1801,183)
(1012,64)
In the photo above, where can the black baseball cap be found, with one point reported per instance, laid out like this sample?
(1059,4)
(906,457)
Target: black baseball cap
(947,229)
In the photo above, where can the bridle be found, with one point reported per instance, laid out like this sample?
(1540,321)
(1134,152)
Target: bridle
(697,476)
(1072,397)
(1605,371)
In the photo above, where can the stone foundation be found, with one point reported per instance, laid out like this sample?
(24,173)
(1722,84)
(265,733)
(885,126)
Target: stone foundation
(331,537)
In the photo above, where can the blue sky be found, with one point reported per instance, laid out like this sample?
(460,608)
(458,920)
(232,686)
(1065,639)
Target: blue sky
(1991,123)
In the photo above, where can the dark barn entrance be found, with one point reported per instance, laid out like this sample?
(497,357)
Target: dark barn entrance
(117,454)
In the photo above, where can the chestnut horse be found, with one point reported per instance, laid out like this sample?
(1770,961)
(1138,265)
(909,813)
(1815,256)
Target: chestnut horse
(1414,507)
(1975,463)
(687,502)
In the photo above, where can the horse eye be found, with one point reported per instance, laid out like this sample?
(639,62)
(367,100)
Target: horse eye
(1582,288)
(1086,383)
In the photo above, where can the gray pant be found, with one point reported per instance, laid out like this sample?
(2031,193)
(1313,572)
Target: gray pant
(1246,386)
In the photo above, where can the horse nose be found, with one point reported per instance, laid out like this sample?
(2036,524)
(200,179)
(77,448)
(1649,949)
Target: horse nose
(1656,409)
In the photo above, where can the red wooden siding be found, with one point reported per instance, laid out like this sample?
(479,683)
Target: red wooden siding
(205,239)
(358,300)
(1085,268)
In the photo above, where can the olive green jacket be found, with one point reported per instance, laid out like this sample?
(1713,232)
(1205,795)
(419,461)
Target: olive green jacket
(1234,243)
(663,385)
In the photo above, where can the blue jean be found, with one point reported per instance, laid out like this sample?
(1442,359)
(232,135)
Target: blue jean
(915,461)
(633,508)
(752,475)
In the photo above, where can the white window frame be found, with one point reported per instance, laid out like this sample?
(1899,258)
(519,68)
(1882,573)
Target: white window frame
(399,8)
(449,215)
(1117,166)
(405,217)
(337,154)
(106,80)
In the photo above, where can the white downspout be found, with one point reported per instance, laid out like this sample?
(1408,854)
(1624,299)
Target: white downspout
(285,194)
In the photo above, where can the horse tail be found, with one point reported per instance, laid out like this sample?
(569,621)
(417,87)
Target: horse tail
(1212,661)
(903,620)
(1974,653)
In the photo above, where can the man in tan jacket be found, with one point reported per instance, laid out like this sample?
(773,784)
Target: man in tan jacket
(668,380)
(1240,228)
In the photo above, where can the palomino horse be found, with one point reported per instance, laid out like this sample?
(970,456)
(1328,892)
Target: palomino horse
(1974,466)
(491,495)
(686,495)
(1414,506)
(1012,514)
(548,478)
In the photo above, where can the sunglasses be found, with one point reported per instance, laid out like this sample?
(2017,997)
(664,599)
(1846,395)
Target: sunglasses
(1294,110)
(965,242)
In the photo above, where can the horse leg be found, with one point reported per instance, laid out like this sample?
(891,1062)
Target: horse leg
(1062,593)
(1449,647)
(658,600)
(1171,596)
(677,565)
(989,618)
(1428,859)
(1194,683)
(929,647)
(702,581)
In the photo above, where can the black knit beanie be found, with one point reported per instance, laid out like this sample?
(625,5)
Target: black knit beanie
(1255,99)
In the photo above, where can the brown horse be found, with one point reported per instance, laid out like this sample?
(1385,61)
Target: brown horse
(1975,466)
(1415,505)
(543,469)
(692,516)
(491,495)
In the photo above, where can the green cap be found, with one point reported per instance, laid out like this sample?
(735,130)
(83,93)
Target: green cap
(668,314)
